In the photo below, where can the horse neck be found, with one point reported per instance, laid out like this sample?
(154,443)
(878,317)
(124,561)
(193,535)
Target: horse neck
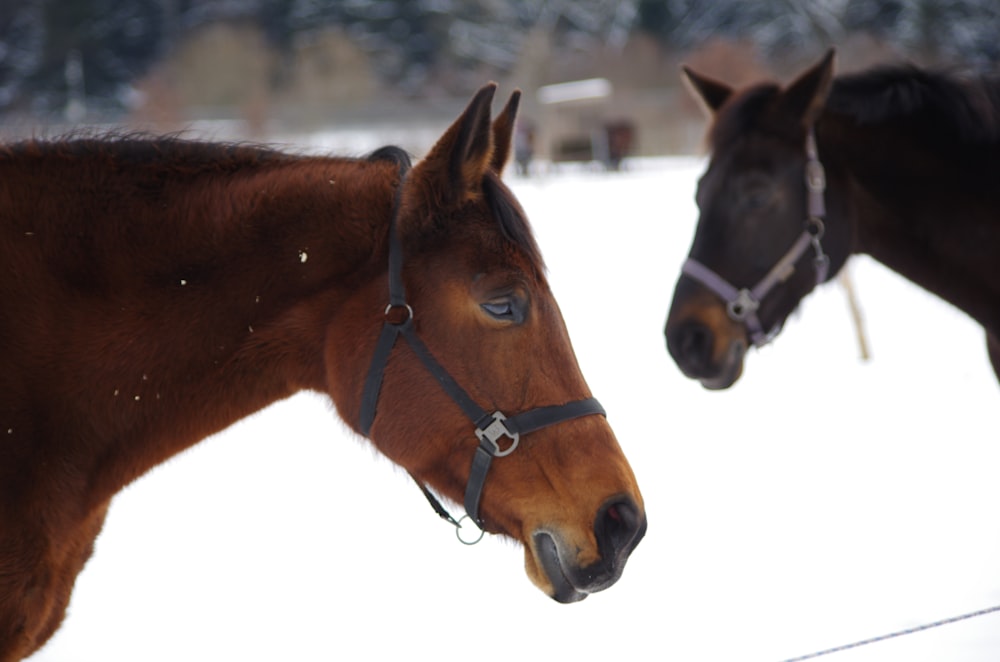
(318,233)
(203,309)
(282,250)
(931,219)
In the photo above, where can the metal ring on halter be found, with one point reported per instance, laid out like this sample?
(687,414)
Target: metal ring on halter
(458,531)
(815,228)
(742,306)
(409,311)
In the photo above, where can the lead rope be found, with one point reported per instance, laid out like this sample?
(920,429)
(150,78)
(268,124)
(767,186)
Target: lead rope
(900,633)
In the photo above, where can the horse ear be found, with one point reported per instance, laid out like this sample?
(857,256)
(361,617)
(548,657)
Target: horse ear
(805,97)
(452,172)
(503,132)
(711,93)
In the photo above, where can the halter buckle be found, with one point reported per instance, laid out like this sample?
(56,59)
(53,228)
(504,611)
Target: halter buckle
(743,306)
(815,176)
(489,436)
(821,263)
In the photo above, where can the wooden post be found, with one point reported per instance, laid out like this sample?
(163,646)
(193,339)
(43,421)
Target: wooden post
(852,302)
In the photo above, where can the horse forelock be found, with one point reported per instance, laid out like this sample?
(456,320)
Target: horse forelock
(959,107)
(743,112)
(513,223)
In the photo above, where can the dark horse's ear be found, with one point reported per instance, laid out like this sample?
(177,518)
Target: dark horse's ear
(452,172)
(805,97)
(711,93)
(503,132)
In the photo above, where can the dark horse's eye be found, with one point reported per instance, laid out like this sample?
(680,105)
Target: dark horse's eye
(756,199)
(506,309)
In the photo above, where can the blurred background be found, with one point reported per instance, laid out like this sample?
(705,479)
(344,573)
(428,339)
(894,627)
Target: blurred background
(814,504)
(266,70)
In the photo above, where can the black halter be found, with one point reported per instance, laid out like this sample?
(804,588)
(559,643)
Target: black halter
(489,428)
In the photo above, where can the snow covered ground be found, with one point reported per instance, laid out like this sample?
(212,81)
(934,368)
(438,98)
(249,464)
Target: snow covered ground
(820,501)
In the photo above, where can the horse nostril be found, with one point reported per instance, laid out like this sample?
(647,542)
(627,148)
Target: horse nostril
(691,346)
(619,527)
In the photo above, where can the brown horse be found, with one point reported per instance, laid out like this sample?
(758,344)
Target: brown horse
(154,291)
(899,163)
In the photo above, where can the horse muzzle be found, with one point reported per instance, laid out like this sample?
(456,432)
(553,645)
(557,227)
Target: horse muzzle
(713,358)
(618,528)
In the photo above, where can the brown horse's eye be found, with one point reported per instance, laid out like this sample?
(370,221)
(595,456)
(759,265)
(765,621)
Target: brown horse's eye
(506,309)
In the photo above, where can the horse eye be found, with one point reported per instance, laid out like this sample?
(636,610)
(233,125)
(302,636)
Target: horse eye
(498,309)
(506,310)
(756,199)
(755,192)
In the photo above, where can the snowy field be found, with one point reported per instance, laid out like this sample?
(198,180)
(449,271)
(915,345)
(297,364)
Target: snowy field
(820,501)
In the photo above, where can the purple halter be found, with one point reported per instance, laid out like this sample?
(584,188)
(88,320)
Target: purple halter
(742,304)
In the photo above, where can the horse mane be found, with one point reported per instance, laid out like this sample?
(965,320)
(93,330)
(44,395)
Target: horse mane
(170,152)
(954,107)
(176,154)
(948,107)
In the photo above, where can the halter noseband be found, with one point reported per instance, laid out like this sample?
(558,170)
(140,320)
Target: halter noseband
(742,304)
(490,429)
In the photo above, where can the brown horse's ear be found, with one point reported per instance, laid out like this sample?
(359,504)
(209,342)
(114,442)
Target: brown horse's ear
(805,97)
(711,93)
(452,173)
(503,132)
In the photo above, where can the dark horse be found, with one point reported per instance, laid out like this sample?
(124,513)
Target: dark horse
(912,178)
(154,291)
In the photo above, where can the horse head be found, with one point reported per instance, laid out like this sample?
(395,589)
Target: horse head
(483,332)
(761,243)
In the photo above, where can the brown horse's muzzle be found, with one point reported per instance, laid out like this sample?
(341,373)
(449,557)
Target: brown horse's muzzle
(618,528)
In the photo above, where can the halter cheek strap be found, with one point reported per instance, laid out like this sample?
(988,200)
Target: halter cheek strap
(498,434)
(742,304)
